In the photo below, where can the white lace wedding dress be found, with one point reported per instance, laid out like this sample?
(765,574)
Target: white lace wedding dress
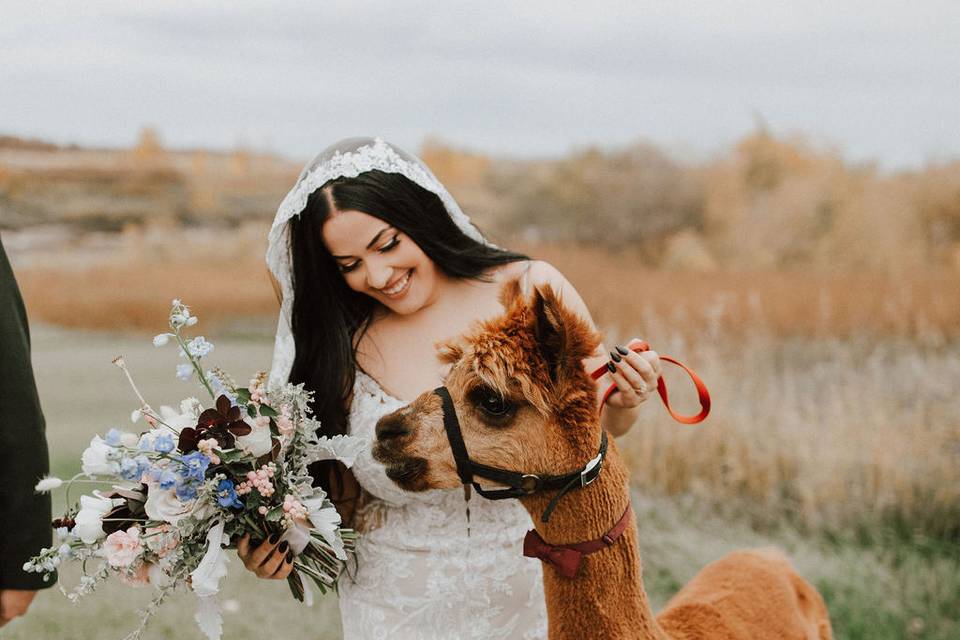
(419,576)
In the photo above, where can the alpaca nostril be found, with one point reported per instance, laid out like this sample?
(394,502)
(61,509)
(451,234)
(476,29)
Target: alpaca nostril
(390,428)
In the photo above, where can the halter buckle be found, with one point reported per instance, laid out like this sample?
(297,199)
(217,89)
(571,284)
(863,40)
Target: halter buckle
(529,483)
(584,481)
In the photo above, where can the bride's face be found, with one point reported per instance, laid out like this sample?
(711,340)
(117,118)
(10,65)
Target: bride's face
(379,260)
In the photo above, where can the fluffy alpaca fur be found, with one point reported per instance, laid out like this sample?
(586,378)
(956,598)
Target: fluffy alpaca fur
(530,361)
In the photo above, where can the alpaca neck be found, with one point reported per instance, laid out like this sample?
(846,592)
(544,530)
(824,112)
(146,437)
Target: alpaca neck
(606,599)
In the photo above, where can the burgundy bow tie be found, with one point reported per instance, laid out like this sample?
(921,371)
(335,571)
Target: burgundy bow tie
(566,558)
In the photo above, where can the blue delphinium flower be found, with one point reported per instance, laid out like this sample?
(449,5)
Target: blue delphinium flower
(193,466)
(129,469)
(163,443)
(220,389)
(112,438)
(167,479)
(186,491)
(227,494)
(184,371)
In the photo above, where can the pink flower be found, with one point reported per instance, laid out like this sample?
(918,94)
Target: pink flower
(285,425)
(123,547)
(206,448)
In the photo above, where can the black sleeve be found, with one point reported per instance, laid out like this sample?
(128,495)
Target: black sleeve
(24,515)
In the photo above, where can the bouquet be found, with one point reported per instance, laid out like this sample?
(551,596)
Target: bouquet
(195,481)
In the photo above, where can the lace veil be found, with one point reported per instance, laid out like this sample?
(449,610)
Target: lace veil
(348,158)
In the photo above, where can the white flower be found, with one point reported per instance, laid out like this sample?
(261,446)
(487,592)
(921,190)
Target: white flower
(184,371)
(178,421)
(48,484)
(88,525)
(257,442)
(326,521)
(199,347)
(205,579)
(128,439)
(164,505)
(192,320)
(342,448)
(135,415)
(161,339)
(100,458)
(297,535)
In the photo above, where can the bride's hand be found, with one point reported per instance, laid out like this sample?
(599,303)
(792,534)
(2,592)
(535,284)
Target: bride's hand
(635,374)
(272,560)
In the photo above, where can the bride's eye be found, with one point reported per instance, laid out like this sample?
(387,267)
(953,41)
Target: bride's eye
(347,268)
(390,245)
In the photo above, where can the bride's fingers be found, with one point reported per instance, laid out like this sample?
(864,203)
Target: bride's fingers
(285,567)
(243,547)
(262,552)
(269,566)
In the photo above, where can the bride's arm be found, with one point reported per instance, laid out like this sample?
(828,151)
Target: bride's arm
(632,371)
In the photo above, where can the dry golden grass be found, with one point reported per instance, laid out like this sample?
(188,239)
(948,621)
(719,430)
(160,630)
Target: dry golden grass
(137,296)
(834,394)
(224,284)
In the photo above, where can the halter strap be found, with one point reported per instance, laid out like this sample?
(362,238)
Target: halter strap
(520,484)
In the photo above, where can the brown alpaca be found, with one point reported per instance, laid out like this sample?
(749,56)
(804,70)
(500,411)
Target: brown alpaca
(525,403)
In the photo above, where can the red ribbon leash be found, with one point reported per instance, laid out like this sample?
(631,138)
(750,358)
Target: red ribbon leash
(704,395)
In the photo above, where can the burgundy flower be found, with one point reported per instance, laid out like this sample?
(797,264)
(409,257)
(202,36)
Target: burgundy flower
(128,514)
(223,424)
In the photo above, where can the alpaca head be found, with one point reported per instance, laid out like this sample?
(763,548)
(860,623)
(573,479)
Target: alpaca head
(522,396)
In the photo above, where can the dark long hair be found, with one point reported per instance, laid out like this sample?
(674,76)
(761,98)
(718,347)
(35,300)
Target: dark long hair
(329,317)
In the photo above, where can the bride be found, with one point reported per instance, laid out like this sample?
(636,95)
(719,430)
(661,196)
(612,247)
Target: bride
(376,262)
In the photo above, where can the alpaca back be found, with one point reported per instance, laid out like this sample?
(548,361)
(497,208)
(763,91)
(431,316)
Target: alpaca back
(752,594)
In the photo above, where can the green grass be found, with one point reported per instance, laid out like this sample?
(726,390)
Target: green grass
(877,587)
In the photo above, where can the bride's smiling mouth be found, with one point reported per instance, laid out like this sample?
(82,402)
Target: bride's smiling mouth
(400,287)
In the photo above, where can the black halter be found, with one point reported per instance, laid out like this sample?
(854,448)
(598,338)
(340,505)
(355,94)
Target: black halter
(521,484)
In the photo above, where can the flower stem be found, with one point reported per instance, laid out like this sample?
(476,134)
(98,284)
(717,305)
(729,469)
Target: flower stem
(193,361)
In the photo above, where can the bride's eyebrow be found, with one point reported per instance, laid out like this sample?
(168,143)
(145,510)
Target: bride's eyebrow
(376,239)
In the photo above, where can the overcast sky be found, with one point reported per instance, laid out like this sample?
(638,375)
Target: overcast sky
(879,80)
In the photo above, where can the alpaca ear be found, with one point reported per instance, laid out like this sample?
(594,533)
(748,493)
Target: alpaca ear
(510,292)
(449,352)
(563,338)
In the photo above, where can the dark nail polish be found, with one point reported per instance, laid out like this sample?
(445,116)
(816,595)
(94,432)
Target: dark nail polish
(289,557)
(615,356)
(623,351)
(610,367)
(284,546)
(274,537)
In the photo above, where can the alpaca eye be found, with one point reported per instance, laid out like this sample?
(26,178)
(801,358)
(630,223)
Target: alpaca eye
(492,407)
(495,405)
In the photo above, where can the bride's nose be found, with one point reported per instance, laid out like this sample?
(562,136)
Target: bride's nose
(378,275)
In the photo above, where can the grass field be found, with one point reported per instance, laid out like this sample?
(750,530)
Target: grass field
(750,476)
